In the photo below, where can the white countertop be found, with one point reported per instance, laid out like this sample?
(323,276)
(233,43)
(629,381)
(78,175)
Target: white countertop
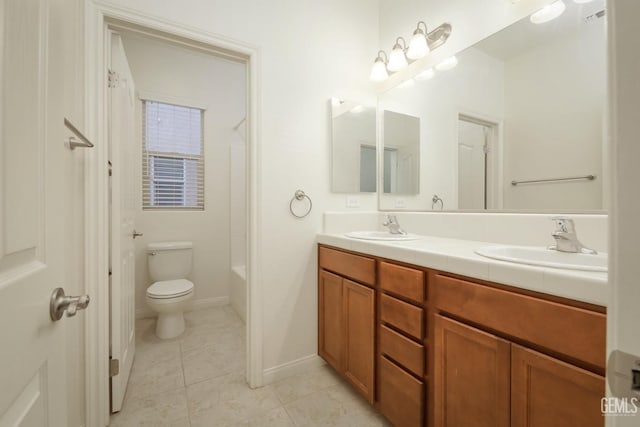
(458,256)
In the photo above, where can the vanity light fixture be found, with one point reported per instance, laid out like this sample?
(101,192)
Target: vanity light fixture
(379,70)
(447,64)
(421,44)
(397,58)
(426,74)
(418,46)
(548,13)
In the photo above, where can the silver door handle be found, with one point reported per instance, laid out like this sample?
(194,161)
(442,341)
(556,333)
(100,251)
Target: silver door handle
(60,303)
(136,234)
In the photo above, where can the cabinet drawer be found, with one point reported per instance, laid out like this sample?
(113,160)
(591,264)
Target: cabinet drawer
(404,351)
(402,315)
(400,395)
(403,281)
(355,267)
(574,332)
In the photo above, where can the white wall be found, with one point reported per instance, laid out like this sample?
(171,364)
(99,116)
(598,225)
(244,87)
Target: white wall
(309,52)
(624,110)
(174,74)
(554,116)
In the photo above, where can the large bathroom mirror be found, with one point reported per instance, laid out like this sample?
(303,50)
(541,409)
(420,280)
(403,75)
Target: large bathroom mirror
(353,143)
(516,124)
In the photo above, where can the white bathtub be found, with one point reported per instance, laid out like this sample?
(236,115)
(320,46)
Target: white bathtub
(238,293)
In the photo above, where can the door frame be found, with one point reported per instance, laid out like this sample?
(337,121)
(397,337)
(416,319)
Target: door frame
(98,18)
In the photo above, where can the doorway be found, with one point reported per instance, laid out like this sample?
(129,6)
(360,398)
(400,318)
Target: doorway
(106,19)
(477,146)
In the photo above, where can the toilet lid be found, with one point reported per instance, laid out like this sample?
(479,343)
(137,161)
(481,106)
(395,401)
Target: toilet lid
(170,288)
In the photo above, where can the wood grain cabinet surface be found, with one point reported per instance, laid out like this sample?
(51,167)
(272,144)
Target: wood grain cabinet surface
(546,392)
(428,348)
(359,336)
(346,318)
(401,395)
(471,377)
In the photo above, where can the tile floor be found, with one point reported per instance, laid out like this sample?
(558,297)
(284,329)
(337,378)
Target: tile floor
(197,380)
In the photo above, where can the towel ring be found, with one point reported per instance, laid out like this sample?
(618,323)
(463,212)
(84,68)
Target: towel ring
(435,200)
(300,195)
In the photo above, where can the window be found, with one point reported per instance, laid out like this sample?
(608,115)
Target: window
(172,157)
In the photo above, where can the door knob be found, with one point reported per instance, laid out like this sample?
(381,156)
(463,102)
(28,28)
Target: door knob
(136,234)
(60,303)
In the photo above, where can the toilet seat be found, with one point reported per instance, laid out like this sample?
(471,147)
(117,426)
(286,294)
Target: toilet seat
(166,289)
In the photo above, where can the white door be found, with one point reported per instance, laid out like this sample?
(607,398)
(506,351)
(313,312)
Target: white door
(122,156)
(472,142)
(36,214)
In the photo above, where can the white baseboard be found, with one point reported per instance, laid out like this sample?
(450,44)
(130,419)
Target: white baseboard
(199,304)
(294,367)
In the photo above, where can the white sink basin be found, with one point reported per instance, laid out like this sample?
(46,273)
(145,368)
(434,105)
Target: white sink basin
(381,235)
(545,257)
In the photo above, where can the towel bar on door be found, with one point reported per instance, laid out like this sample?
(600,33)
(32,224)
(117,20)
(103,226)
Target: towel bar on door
(73,142)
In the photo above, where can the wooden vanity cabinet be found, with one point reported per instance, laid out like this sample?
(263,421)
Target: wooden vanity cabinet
(503,358)
(434,349)
(346,317)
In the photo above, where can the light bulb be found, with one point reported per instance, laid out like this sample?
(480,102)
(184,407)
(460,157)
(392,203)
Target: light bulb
(418,46)
(379,71)
(426,74)
(397,60)
(548,13)
(447,64)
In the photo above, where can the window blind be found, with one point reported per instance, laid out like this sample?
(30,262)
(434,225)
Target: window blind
(172,157)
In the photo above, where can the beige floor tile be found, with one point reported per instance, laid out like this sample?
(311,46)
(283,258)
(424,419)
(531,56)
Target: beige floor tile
(228,399)
(164,409)
(218,316)
(154,377)
(210,356)
(277,417)
(335,406)
(150,354)
(201,336)
(213,361)
(298,386)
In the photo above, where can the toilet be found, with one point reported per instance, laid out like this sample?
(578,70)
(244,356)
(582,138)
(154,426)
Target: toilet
(169,265)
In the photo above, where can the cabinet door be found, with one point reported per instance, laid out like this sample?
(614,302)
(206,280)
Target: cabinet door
(471,378)
(359,336)
(330,324)
(547,392)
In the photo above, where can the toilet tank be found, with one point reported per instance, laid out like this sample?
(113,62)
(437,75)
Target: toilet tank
(169,260)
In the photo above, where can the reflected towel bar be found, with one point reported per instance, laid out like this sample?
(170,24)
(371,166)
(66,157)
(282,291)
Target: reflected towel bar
(73,142)
(572,178)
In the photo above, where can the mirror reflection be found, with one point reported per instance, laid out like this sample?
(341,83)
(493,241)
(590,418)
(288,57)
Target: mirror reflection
(401,164)
(516,123)
(353,142)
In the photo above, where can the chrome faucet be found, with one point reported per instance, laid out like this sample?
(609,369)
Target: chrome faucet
(566,238)
(392,223)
